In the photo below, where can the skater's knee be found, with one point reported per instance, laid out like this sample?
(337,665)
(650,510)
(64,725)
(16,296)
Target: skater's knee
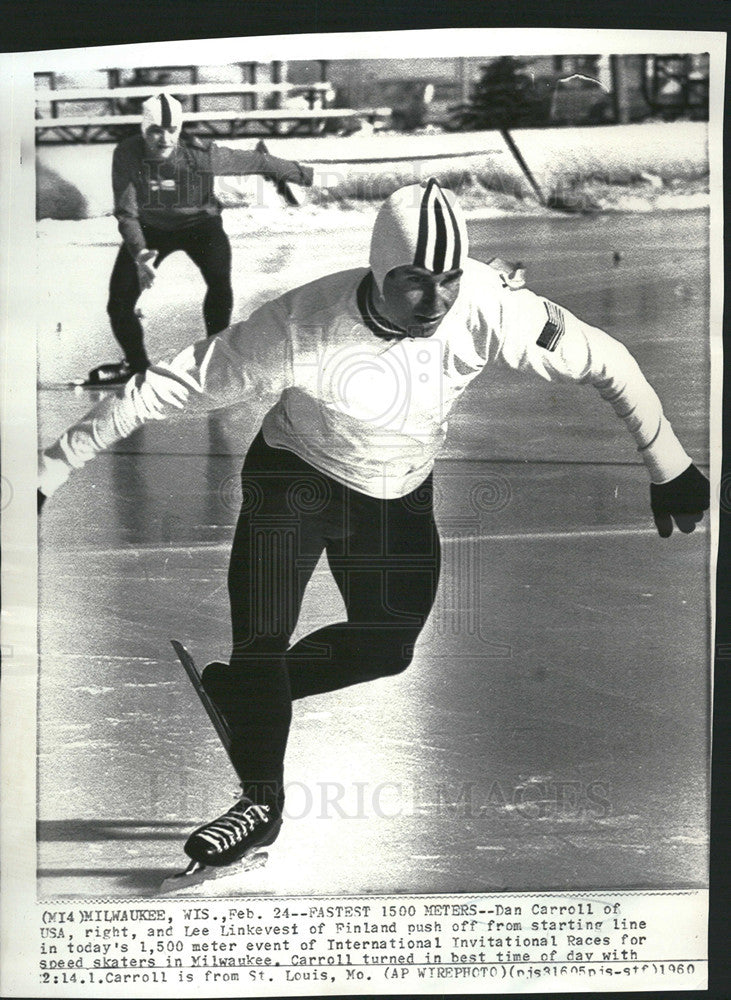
(219,283)
(120,309)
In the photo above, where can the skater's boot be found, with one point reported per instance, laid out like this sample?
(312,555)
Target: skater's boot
(115,373)
(243,829)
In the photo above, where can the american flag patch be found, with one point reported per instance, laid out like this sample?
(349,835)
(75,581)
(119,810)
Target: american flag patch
(554,329)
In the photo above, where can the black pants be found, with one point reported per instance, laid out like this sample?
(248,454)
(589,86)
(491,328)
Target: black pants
(384,556)
(208,247)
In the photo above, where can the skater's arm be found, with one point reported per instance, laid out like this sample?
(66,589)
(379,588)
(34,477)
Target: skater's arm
(146,397)
(542,338)
(249,361)
(126,209)
(225,160)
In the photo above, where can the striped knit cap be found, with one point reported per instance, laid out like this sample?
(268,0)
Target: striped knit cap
(162,111)
(421,225)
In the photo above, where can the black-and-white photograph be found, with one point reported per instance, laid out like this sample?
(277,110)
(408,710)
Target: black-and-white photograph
(374,414)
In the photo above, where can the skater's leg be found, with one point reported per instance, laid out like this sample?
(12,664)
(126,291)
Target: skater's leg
(209,248)
(385,557)
(387,572)
(277,544)
(124,291)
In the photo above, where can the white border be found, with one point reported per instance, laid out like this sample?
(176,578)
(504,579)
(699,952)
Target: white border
(18,941)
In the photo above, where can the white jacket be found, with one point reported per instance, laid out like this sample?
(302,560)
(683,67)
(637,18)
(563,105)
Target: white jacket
(372,412)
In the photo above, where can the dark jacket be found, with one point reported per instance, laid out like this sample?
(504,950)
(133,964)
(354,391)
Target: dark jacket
(178,192)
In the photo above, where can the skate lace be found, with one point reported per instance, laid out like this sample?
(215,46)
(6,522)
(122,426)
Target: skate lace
(235,825)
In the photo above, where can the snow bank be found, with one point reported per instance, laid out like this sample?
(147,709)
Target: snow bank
(74,181)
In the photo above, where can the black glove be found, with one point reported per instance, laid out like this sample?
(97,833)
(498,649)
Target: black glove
(41,500)
(683,499)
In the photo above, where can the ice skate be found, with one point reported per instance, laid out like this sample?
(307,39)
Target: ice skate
(212,710)
(196,873)
(229,845)
(239,832)
(107,376)
(233,842)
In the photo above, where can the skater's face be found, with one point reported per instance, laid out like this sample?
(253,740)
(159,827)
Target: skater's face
(160,141)
(417,300)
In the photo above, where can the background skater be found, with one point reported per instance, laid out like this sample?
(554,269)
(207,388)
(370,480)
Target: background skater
(362,368)
(164,201)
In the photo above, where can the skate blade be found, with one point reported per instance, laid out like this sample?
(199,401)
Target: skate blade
(196,873)
(99,386)
(79,384)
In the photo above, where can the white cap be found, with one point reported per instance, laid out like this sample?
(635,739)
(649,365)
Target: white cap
(421,225)
(162,111)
